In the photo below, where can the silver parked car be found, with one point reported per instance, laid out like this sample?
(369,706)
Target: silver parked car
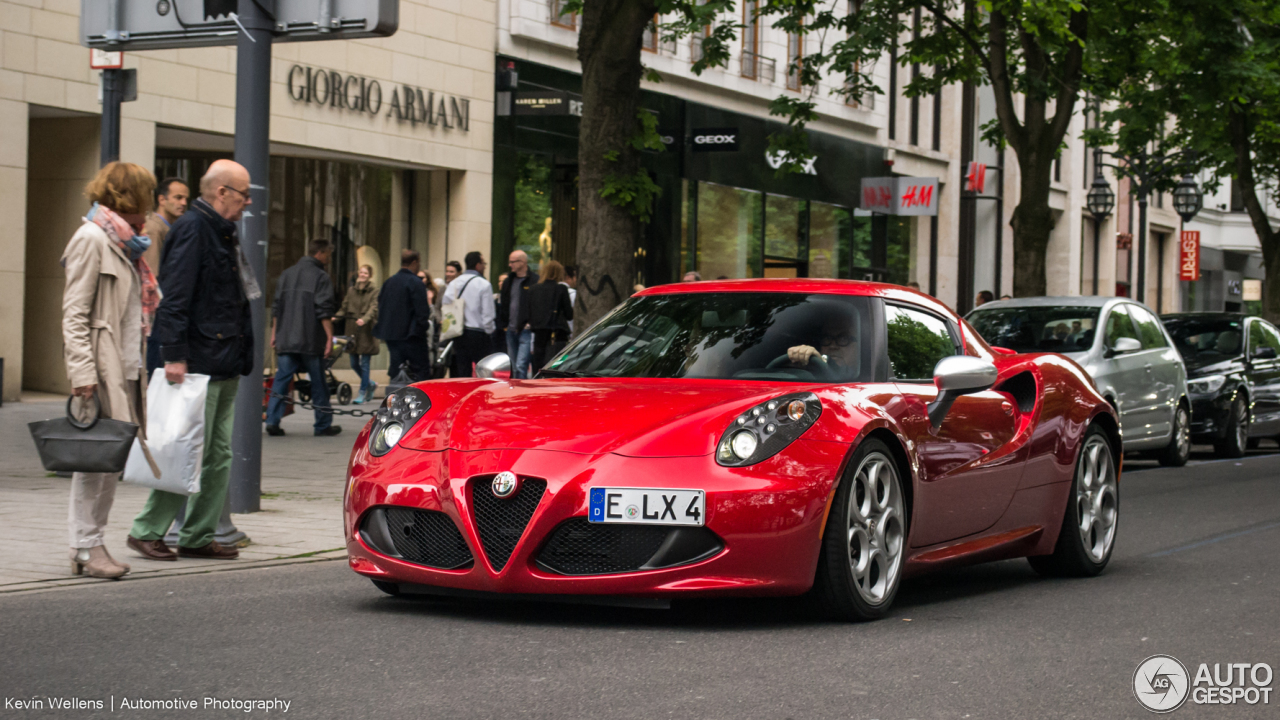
(1121,344)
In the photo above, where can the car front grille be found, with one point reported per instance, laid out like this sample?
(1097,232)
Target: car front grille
(423,537)
(501,522)
(581,547)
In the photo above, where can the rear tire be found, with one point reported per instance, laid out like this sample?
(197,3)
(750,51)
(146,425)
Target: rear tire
(1175,454)
(389,588)
(1087,537)
(864,542)
(1235,438)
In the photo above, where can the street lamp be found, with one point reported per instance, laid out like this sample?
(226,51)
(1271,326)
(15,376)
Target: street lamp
(1188,199)
(1100,201)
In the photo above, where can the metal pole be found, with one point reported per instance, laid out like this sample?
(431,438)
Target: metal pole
(253,148)
(112,96)
(1097,242)
(1141,295)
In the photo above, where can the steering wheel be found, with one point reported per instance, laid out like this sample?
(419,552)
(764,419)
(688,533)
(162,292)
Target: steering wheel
(816,365)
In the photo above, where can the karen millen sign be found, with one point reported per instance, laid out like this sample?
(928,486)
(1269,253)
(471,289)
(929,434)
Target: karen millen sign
(405,103)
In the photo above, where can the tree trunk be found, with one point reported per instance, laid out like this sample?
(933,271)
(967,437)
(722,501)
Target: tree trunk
(1032,225)
(609,49)
(1241,128)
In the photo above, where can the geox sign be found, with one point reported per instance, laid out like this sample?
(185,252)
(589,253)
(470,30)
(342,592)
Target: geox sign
(405,103)
(715,140)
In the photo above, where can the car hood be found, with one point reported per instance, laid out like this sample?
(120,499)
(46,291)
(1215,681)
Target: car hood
(640,417)
(1216,368)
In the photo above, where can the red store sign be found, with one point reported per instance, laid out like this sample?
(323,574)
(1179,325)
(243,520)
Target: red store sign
(1189,255)
(900,195)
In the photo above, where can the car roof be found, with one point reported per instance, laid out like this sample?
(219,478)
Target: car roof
(1084,301)
(1204,316)
(887,291)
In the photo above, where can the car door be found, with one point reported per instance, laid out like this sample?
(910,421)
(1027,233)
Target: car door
(1126,375)
(1163,367)
(967,477)
(1264,376)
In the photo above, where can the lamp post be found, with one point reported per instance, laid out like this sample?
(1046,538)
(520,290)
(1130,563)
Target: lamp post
(1188,199)
(1100,200)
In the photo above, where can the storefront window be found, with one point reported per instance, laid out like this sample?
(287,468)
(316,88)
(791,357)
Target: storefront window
(900,252)
(783,236)
(728,231)
(533,207)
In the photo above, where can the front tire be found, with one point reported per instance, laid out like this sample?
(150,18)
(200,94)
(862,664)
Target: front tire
(1088,532)
(1175,454)
(865,540)
(1235,438)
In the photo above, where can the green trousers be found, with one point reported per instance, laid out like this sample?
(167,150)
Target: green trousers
(204,509)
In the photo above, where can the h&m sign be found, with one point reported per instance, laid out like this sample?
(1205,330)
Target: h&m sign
(900,195)
(405,103)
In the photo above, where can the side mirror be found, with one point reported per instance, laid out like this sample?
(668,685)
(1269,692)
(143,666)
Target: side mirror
(497,362)
(955,376)
(1264,353)
(1124,345)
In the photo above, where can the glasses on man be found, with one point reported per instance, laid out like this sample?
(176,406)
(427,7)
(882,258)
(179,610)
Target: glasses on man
(841,340)
(243,194)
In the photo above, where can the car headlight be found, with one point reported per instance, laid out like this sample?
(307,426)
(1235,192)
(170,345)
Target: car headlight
(1206,385)
(398,413)
(764,430)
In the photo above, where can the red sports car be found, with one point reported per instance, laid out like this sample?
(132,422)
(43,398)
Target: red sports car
(756,437)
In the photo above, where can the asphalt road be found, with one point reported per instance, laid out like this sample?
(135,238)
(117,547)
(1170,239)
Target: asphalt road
(1195,575)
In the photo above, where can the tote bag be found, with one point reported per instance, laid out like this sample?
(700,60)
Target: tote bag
(453,315)
(175,435)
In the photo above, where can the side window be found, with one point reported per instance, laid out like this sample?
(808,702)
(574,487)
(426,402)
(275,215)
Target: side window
(917,341)
(1119,325)
(1148,328)
(1257,337)
(1271,337)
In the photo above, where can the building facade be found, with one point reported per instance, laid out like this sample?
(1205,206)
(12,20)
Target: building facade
(378,144)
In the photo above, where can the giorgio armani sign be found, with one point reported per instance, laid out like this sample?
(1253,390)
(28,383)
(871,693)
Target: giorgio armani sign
(405,103)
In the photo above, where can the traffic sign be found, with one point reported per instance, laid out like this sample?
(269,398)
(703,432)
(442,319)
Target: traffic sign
(164,24)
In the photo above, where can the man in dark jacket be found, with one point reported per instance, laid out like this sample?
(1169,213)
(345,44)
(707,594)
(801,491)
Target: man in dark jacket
(203,326)
(513,297)
(302,334)
(404,317)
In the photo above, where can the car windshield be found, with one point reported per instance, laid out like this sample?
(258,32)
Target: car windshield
(792,337)
(1206,340)
(1055,328)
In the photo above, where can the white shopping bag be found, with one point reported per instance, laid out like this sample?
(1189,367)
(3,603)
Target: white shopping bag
(175,435)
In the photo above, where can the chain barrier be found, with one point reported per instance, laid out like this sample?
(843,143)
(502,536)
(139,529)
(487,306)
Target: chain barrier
(331,410)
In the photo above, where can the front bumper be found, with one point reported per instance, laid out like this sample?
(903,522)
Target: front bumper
(768,518)
(1210,415)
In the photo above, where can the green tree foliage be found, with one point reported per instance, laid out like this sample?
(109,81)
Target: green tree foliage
(914,349)
(532,203)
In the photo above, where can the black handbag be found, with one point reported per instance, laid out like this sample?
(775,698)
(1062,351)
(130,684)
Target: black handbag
(68,445)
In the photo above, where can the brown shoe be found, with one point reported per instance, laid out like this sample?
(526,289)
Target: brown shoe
(95,562)
(152,549)
(212,551)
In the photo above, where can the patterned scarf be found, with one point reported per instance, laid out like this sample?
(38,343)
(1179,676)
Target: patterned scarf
(116,228)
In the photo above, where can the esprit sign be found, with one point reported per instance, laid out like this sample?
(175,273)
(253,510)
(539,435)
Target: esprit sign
(900,195)
(357,93)
(715,139)
(1189,256)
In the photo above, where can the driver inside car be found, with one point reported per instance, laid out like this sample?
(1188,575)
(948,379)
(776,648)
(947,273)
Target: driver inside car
(837,349)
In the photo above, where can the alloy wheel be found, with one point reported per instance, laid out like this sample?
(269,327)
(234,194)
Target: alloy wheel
(1241,411)
(876,531)
(1096,498)
(1183,430)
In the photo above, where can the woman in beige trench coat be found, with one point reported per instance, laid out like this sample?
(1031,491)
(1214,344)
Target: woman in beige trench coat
(110,297)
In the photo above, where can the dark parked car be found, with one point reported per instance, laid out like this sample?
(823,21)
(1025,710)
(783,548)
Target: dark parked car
(1233,377)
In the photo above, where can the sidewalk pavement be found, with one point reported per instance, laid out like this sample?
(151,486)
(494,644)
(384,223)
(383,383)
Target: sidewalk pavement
(300,521)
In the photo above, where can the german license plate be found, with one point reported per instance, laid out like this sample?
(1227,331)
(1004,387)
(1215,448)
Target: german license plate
(647,506)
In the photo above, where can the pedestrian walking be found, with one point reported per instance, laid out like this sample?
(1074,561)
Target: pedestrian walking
(513,297)
(360,308)
(404,317)
(171,201)
(571,282)
(549,313)
(203,326)
(107,307)
(302,334)
(478,314)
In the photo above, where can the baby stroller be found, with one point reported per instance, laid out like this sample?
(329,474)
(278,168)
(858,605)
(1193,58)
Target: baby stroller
(339,392)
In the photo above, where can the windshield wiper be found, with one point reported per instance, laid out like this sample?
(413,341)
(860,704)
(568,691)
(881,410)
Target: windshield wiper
(565,373)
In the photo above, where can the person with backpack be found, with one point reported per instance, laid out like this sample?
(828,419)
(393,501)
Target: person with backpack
(478,316)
